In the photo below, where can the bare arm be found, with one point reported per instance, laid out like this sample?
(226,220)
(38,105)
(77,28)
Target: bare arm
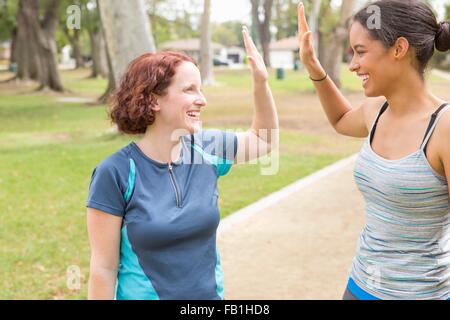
(263,134)
(345,120)
(104,239)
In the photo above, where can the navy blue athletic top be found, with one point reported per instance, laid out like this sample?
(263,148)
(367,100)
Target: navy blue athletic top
(170,217)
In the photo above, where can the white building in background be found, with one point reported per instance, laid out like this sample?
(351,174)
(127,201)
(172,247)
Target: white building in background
(66,61)
(192,48)
(5,50)
(236,55)
(284,53)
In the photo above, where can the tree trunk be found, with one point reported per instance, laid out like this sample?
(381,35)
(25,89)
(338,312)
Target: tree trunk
(263,27)
(13,58)
(334,50)
(314,25)
(26,42)
(127,32)
(36,45)
(111,82)
(206,50)
(98,52)
(75,42)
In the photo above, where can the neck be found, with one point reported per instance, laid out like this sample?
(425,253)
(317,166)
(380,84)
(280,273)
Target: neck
(159,144)
(410,95)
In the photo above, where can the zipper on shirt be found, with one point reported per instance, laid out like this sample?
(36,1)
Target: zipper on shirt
(175,186)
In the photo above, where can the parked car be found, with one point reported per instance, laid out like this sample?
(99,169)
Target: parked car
(220,62)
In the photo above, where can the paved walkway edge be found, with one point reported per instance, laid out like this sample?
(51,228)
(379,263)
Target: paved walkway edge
(246,212)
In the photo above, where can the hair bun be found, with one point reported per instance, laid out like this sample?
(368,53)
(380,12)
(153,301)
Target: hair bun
(443,37)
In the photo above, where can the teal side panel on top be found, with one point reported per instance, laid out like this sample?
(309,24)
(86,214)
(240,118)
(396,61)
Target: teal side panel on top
(132,283)
(219,276)
(131,179)
(222,165)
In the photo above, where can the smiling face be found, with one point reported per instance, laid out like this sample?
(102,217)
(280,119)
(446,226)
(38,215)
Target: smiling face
(375,65)
(180,106)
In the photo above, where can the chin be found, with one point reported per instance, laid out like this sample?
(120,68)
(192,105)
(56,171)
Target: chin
(371,93)
(194,128)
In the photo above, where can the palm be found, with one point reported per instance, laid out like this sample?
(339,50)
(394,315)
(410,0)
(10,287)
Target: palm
(256,61)
(305,38)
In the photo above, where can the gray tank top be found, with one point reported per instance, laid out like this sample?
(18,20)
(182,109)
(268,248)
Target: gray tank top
(404,249)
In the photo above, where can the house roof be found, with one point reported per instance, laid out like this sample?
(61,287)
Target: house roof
(290,43)
(187,45)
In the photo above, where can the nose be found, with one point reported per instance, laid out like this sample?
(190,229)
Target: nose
(354,66)
(200,101)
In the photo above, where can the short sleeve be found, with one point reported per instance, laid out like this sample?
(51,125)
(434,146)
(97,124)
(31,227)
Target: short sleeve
(222,146)
(106,191)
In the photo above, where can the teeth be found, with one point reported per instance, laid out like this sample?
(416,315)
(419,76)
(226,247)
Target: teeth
(365,77)
(193,114)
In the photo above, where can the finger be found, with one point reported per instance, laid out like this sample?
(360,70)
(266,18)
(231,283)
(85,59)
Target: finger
(246,35)
(250,40)
(247,40)
(251,61)
(302,23)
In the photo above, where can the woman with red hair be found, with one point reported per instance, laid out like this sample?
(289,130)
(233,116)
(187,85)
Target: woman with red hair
(152,206)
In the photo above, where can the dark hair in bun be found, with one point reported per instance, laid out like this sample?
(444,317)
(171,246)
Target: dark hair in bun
(411,19)
(443,36)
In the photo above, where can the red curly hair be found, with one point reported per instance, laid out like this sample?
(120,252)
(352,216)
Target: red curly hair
(146,76)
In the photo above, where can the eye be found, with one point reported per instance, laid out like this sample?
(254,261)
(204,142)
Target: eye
(360,53)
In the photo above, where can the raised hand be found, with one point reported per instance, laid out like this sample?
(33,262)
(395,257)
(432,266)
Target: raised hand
(305,38)
(256,62)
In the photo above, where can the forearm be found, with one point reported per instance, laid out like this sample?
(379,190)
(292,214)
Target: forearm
(333,101)
(265,117)
(102,283)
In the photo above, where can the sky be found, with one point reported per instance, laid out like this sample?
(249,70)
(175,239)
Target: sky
(225,10)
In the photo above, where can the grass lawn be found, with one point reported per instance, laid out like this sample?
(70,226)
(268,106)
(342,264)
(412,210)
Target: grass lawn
(48,150)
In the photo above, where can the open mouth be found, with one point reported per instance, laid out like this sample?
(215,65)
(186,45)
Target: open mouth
(365,78)
(194,115)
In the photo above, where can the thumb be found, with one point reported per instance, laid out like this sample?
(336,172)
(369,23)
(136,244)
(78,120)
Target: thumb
(309,37)
(251,60)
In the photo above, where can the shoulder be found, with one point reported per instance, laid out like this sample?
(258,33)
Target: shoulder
(443,126)
(116,164)
(371,107)
(217,142)
(214,136)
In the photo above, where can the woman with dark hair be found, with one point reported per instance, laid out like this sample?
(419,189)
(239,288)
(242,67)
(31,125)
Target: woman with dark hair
(153,205)
(403,168)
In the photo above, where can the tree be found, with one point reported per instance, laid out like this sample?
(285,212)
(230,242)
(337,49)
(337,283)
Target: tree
(228,33)
(97,40)
(285,18)
(332,56)
(261,16)
(36,45)
(314,24)
(175,19)
(8,27)
(127,33)
(206,52)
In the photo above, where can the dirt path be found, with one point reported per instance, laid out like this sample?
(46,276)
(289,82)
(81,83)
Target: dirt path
(298,248)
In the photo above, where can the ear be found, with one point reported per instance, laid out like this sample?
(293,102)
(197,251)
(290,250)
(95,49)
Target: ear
(401,48)
(155,105)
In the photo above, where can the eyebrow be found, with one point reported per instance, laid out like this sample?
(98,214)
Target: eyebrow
(359,46)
